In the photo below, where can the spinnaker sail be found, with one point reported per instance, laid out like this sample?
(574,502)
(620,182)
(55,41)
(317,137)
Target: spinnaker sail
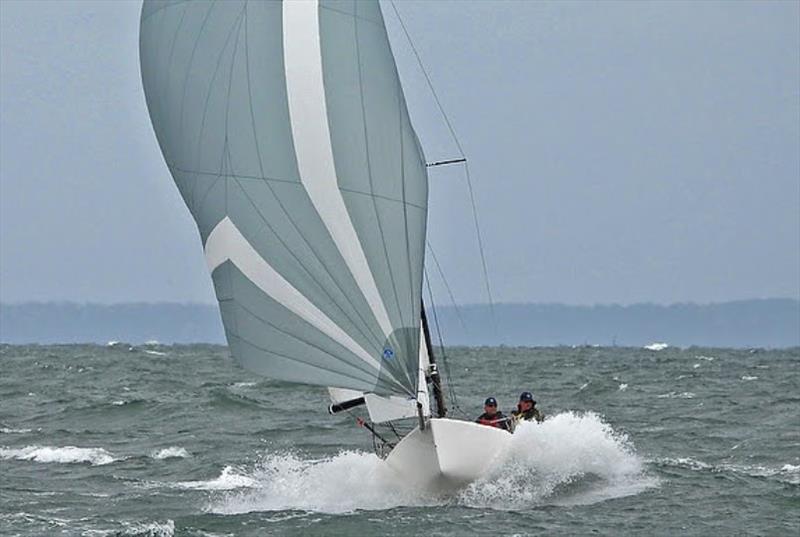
(285,128)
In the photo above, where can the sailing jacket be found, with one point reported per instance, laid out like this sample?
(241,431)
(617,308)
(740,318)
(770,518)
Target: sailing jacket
(528,415)
(496,420)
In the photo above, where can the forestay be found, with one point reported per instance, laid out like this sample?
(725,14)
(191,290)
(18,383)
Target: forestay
(285,128)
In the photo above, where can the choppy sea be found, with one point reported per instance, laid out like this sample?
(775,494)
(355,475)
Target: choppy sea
(161,440)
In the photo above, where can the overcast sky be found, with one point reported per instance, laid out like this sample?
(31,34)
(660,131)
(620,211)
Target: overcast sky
(620,152)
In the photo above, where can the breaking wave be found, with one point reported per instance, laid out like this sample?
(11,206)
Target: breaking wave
(171,452)
(787,473)
(569,459)
(63,455)
(342,483)
(230,479)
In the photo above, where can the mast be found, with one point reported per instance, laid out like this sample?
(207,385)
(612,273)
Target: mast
(436,380)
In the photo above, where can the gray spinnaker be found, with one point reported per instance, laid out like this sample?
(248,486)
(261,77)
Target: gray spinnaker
(285,128)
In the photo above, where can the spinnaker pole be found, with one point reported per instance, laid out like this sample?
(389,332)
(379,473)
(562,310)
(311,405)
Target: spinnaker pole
(436,379)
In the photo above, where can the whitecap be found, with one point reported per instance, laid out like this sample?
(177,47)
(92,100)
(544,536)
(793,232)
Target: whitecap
(243,384)
(149,529)
(155,353)
(749,377)
(656,346)
(623,387)
(230,479)
(684,462)
(675,395)
(63,455)
(9,430)
(172,452)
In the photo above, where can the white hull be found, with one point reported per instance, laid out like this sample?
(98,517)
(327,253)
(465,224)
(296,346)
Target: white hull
(447,455)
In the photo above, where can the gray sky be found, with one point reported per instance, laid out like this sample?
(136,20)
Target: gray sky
(620,152)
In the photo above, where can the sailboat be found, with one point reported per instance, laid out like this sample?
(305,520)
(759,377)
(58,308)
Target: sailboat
(285,128)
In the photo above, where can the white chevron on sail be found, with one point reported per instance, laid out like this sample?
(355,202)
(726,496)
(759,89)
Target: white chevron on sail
(310,131)
(226,242)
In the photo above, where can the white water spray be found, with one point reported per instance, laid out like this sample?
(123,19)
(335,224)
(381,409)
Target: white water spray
(568,459)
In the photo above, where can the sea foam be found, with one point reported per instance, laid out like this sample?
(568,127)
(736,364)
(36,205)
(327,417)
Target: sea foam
(542,466)
(231,478)
(170,453)
(63,455)
(569,459)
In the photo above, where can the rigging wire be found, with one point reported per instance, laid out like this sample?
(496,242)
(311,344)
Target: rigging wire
(473,203)
(445,362)
(468,178)
(456,308)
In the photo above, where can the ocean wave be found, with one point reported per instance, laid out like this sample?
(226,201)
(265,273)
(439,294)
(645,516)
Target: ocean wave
(569,459)
(170,453)
(787,473)
(148,529)
(540,467)
(342,483)
(62,455)
(243,384)
(10,430)
(230,479)
(676,395)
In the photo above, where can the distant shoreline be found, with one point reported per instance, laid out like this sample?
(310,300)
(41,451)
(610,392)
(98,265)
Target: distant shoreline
(757,323)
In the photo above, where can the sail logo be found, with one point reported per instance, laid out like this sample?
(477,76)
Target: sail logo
(388,353)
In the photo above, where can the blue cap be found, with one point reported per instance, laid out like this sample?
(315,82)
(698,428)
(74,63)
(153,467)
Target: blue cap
(490,401)
(526,396)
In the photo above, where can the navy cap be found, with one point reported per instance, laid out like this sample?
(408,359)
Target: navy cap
(526,396)
(490,401)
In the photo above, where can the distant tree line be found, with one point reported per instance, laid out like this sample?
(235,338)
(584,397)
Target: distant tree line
(744,323)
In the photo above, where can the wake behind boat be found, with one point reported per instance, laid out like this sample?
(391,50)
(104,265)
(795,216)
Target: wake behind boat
(285,128)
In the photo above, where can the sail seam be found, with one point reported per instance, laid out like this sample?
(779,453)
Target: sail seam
(369,175)
(235,27)
(225,242)
(351,15)
(371,373)
(163,7)
(311,135)
(189,64)
(288,358)
(297,183)
(364,329)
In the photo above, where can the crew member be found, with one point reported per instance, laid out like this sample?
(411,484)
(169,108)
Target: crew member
(526,409)
(491,416)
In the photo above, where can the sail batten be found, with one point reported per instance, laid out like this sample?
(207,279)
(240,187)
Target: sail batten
(279,123)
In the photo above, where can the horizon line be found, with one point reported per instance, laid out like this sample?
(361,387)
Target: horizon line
(463,305)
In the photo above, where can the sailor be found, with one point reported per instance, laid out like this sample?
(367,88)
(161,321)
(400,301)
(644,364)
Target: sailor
(491,416)
(526,409)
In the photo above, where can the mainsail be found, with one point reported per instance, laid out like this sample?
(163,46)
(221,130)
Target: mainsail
(285,128)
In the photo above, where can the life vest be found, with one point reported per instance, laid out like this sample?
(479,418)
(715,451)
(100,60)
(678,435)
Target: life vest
(495,420)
